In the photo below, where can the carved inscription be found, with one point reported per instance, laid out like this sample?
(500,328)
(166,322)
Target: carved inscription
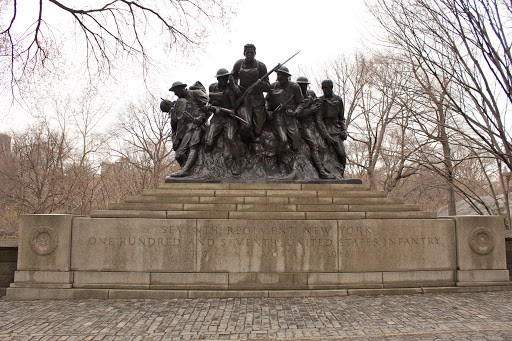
(364,237)
(396,245)
(134,245)
(267,246)
(162,236)
(238,236)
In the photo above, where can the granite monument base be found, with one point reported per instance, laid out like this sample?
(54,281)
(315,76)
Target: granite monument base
(187,240)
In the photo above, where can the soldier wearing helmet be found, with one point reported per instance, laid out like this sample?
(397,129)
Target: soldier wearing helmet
(307,126)
(246,72)
(189,124)
(331,122)
(223,94)
(304,87)
(284,101)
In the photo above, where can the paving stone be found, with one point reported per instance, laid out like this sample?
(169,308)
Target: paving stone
(482,316)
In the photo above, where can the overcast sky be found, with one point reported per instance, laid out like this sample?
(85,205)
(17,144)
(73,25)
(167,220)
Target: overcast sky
(321,29)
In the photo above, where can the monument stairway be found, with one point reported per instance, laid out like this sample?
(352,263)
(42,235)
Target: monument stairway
(268,201)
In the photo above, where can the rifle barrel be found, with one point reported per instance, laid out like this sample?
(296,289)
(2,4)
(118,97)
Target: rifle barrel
(240,99)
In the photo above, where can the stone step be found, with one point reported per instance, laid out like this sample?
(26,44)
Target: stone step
(163,206)
(263,215)
(262,200)
(176,193)
(263,186)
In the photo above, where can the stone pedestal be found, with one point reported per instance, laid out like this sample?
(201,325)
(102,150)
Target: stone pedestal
(255,240)
(481,250)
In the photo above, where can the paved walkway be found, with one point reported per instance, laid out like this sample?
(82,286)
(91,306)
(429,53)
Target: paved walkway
(466,316)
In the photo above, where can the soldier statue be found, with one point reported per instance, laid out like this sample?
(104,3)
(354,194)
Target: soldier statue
(246,72)
(284,101)
(308,120)
(222,97)
(189,126)
(331,123)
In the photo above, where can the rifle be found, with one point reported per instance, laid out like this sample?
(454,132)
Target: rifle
(247,91)
(188,115)
(280,107)
(230,113)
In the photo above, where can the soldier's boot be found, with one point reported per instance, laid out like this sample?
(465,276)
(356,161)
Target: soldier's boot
(343,161)
(322,173)
(191,160)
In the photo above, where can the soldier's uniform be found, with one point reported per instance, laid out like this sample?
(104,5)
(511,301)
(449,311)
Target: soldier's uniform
(253,108)
(331,125)
(284,123)
(308,118)
(189,127)
(284,101)
(223,123)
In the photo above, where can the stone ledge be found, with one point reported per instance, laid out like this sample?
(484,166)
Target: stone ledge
(266,200)
(193,185)
(401,215)
(336,187)
(466,289)
(26,294)
(175,192)
(322,208)
(266,208)
(222,200)
(377,207)
(167,199)
(267,215)
(197,214)
(227,294)
(147,294)
(384,291)
(241,193)
(44,277)
(233,182)
(295,194)
(278,186)
(335,215)
(366,201)
(306,293)
(41,285)
(128,214)
(352,194)
(146,206)
(9,242)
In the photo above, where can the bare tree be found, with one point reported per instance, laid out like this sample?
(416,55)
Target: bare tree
(107,29)
(371,87)
(144,136)
(467,42)
(37,170)
(460,52)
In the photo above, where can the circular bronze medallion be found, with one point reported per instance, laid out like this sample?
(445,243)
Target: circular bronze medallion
(481,240)
(44,240)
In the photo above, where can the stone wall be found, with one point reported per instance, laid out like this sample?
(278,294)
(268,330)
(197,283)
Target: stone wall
(245,240)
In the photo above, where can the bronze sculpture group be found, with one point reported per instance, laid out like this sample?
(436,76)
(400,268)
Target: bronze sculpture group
(237,132)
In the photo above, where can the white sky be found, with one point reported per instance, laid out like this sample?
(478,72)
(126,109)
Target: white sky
(321,29)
